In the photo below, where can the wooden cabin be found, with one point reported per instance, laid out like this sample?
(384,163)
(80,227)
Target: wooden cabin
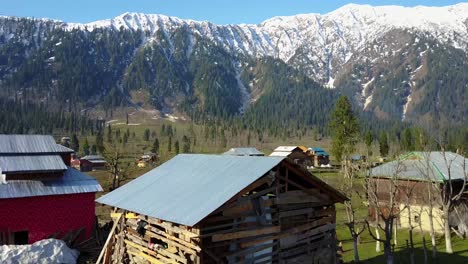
(414,174)
(199,208)
(294,153)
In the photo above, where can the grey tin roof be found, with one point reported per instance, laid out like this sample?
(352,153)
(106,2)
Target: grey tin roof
(16,144)
(35,163)
(93,157)
(189,187)
(424,166)
(71,182)
(244,152)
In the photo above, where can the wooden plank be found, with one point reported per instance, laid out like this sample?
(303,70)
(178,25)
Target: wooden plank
(247,233)
(246,206)
(167,256)
(310,212)
(289,232)
(147,257)
(166,236)
(170,242)
(111,234)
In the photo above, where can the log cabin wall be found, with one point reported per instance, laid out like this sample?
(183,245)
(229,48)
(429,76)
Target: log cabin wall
(280,218)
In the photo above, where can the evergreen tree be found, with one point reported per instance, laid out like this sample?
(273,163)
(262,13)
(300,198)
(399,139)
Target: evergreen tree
(344,129)
(176,146)
(169,145)
(155,148)
(186,144)
(109,134)
(383,143)
(75,143)
(86,147)
(407,141)
(146,135)
(100,142)
(94,149)
(368,139)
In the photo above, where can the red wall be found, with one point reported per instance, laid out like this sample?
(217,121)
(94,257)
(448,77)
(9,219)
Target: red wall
(43,216)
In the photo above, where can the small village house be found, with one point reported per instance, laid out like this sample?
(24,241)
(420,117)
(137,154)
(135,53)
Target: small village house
(199,208)
(294,153)
(40,195)
(92,162)
(244,152)
(320,156)
(413,174)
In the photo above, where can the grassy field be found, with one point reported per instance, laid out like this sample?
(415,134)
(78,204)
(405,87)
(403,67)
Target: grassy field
(136,146)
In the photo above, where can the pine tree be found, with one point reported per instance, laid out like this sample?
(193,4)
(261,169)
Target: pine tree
(368,139)
(169,145)
(383,143)
(109,134)
(100,142)
(155,148)
(186,144)
(146,135)
(344,129)
(176,146)
(75,143)
(86,147)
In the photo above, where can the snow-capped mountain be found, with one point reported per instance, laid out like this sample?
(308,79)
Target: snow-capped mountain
(357,48)
(330,39)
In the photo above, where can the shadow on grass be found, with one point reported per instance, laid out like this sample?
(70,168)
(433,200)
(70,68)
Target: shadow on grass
(403,257)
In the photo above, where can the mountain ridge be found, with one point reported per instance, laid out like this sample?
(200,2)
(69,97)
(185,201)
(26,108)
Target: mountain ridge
(360,50)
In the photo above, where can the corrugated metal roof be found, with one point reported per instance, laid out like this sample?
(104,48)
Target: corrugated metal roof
(16,144)
(244,152)
(71,182)
(35,163)
(286,148)
(189,187)
(93,157)
(280,154)
(424,165)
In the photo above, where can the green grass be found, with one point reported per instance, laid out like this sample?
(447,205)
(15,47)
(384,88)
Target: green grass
(137,146)
(367,252)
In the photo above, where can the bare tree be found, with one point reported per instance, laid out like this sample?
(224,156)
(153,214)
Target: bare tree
(383,201)
(354,192)
(451,194)
(117,171)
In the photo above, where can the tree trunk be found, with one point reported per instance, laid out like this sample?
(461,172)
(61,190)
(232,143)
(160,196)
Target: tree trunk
(377,242)
(447,231)
(433,237)
(425,250)
(355,245)
(411,246)
(388,252)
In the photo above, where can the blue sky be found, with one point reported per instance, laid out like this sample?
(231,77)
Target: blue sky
(217,11)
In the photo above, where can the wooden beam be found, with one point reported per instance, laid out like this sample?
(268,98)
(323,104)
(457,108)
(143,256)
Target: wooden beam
(247,233)
(111,234)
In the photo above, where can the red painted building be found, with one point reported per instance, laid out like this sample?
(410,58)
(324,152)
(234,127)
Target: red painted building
(39,194)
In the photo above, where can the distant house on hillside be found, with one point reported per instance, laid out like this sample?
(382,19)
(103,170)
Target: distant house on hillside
(40,195)
(92,162)
(415,172)
(295,153)
(244,152)
(227,209)
(320,156)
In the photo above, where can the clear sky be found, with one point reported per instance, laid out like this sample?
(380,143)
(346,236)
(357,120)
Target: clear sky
(217,11)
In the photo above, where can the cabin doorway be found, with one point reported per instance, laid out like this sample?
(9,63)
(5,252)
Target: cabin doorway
(21,237)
